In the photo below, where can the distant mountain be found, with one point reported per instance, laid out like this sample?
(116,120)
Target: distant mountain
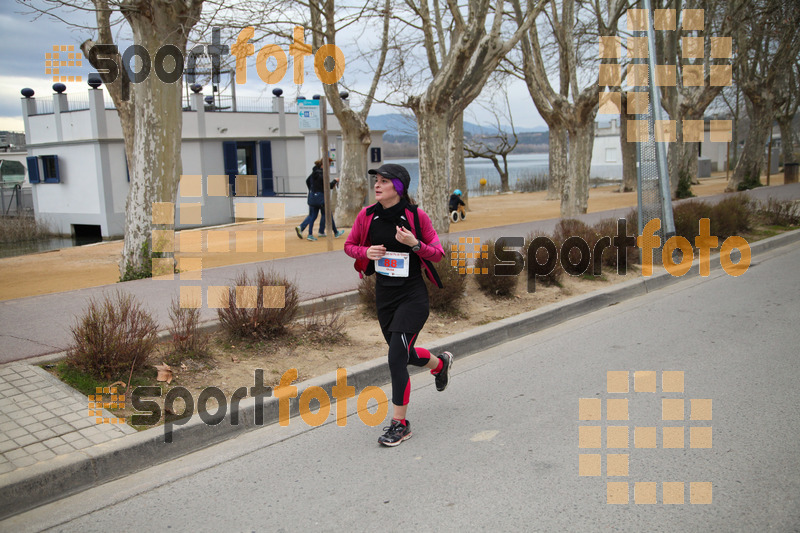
(393,123)
(398,125)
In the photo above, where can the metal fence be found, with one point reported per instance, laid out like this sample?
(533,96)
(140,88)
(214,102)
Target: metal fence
(15,200)
(44,107)
(77,102)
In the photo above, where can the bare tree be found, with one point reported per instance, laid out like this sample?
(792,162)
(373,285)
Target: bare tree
(690,96)
(355,132)
(461,52)
(150,110)
(495,147)
(767,45)
(785,114)
(731,98)
(569,111)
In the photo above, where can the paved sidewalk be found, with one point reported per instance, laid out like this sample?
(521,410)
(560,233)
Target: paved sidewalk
(41,417)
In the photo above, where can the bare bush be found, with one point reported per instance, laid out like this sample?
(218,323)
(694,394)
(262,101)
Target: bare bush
(259,308)
(776,212)
(184,333)
(488,282)
(114,335)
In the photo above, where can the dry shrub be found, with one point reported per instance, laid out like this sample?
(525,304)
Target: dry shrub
(21,228)
(687,217)
(553,277)
(186,338)
(449,299)
(114,335)
(776,212)
(366,295)
(326,326)
(491,284)
(248,316)
(571,227)
(608,228)
(732,216)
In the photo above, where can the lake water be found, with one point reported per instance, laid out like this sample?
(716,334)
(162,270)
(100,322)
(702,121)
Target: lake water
(520,166)
(45,245)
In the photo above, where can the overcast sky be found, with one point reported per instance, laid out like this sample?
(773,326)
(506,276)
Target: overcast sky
(28,40)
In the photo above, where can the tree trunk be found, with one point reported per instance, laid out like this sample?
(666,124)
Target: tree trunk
(687,163)
(354,181)
(629,180)
(575,195)
(558,161)
(432,191)
(788,153)
(751,160)
(155,164)
(455,144)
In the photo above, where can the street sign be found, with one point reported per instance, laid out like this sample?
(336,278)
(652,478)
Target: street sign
(308,114)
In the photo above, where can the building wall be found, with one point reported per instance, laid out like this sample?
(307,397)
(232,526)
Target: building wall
(606,151)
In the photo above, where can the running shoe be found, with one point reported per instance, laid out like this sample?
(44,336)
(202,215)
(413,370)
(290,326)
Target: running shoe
(299,232)
(311,238)
(396,433)
(443,377)
(339,233)
(322,235)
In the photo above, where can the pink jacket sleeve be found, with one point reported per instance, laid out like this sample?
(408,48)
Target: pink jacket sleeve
(353,246)
(430,247)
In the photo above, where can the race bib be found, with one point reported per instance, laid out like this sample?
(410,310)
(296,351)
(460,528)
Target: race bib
(394,264)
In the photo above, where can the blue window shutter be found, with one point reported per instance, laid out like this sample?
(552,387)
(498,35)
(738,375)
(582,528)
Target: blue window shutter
(267,181)
(33,169)
(230,162)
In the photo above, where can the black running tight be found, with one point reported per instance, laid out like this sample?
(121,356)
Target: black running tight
(402,353)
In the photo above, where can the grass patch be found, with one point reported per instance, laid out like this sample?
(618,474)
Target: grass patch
(80,381)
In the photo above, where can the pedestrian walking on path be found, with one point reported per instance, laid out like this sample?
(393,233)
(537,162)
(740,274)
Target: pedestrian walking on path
(395,240)
(316,205)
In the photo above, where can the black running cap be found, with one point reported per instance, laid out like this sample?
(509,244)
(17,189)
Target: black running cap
(392,170)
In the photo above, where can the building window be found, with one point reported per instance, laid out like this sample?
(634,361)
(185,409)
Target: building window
(50,169)
(611,155)
(44,169)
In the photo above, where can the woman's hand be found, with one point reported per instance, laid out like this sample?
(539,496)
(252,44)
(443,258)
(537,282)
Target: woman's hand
(376,252)
(405,237)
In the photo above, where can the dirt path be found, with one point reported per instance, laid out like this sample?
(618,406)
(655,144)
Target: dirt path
(95,265)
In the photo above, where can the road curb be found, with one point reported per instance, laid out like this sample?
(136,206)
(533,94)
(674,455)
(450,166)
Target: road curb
(29,487)
(320,305)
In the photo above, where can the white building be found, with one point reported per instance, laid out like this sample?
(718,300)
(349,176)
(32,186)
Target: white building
(606,151)
(78,171)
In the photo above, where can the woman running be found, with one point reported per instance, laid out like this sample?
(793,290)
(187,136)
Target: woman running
(395,239)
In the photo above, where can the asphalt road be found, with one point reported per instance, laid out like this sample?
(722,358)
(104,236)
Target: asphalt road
(499,449)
